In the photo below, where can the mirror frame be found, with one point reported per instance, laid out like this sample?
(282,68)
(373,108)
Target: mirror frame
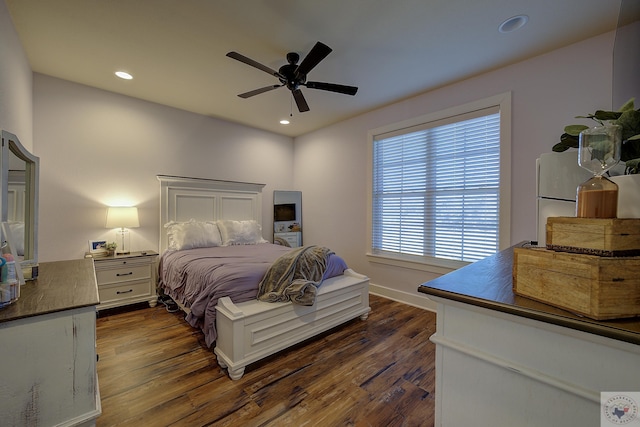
(11,144)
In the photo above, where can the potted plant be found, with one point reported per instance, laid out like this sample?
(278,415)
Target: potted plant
(111,247)
(627,118)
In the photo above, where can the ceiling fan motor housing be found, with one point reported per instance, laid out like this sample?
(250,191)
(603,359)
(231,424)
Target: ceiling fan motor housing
(291,79)
(293,58)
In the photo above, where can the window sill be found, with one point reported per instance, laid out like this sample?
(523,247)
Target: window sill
(428,264)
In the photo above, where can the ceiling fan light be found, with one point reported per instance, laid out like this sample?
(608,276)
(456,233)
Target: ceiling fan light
(514,23)
(124,75)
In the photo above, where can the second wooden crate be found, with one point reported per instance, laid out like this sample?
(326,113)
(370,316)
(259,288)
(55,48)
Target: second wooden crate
(609,237)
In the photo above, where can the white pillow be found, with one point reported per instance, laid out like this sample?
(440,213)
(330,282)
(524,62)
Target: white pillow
(247,232)
(193,234)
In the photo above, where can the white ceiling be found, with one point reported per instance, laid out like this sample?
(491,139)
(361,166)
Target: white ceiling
(391,50)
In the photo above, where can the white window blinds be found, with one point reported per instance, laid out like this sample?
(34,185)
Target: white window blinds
(436,188)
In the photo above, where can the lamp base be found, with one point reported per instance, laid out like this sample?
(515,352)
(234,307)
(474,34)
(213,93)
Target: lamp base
(123,239)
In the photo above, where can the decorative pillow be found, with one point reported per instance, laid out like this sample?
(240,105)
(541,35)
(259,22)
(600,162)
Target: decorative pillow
(192,234)
(335,266)
(247,232)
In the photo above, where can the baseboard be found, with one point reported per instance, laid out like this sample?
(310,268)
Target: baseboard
(420,301)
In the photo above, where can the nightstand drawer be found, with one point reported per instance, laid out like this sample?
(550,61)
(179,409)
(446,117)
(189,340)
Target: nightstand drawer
(123,274)
(125,290)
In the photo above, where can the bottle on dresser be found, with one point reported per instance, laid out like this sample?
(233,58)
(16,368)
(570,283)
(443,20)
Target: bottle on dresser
(9,286)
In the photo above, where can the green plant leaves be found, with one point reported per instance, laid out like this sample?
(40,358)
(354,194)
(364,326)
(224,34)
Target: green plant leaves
(630,122)
(628,105)
(607,115)
(566,141)
(627,117)
(632,166)
(575,130)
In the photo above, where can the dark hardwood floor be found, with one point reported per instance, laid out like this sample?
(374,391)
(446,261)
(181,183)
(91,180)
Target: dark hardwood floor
(155,371)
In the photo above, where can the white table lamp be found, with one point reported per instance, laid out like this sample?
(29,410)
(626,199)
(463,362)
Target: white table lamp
(122,218)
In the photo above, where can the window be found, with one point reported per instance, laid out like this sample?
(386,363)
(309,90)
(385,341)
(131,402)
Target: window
(437,186)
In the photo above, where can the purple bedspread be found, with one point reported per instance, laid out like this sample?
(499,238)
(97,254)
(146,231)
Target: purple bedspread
(198,278)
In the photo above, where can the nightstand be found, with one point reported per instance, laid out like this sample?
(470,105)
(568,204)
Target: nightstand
(126,279)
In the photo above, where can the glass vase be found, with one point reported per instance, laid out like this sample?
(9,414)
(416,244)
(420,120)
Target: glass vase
(599,150)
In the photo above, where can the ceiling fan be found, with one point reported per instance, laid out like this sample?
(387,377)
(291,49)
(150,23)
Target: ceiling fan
(293,75)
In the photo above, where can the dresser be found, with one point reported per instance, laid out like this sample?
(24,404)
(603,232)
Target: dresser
(48,346)
(127,279)
(506,360)
(293,238)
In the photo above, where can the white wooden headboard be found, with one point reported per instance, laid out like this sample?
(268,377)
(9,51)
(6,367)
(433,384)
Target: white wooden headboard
(182,199)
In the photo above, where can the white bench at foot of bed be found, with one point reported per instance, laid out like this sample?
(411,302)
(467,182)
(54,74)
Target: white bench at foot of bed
(252,330)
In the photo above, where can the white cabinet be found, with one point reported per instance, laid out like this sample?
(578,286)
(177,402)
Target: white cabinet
(509,370)
(292,238)
(506,360)
(48,373)
(127,279)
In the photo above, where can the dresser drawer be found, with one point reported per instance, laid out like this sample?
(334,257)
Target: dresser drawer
(121,291)
(123,274)
(292,238)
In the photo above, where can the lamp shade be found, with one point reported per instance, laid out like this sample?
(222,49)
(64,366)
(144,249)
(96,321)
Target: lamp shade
(122,217)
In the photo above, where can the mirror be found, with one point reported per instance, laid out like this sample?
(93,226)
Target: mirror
(287,218)
(19,200)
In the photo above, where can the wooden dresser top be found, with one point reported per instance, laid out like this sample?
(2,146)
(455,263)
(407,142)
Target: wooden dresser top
(488,283)
(61,285)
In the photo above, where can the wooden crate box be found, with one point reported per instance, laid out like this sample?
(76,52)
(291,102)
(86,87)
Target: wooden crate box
(597,287)
(595,236)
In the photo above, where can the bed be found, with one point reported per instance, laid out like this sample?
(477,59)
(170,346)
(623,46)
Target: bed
(215,280)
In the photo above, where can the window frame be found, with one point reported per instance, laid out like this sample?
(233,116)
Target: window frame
(432,264)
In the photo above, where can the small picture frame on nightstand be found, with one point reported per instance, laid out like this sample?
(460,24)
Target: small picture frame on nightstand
(98,248)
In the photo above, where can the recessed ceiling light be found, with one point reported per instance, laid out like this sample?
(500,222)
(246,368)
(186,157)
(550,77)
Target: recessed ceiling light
(513,23)
(284,122)
(124,75)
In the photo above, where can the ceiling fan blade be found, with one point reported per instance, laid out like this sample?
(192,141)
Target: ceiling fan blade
(313,58)
(249,61)
(300,101)
(347,90)
(259,91)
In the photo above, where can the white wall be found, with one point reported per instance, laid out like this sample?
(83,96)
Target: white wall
(547,92)
(15,83)
(98,148)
